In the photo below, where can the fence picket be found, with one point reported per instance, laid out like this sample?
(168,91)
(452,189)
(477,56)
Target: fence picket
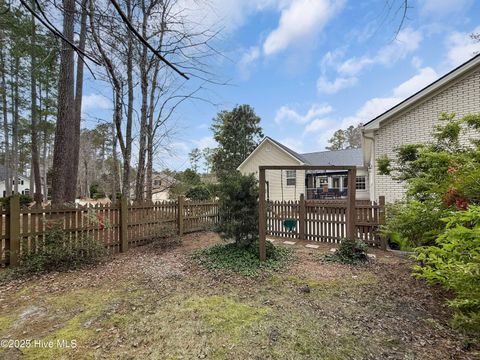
(325,220)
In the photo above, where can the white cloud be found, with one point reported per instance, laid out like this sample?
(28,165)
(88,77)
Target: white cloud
(96,101)
(460,47)
(300,19)
(376,106)
(285,113)
(205,142)
(331,59)
(296,144)
(416,62)
(444,7)
(317,125)
(406,42)
(425,77)
(226,14)
(246,61)
(331,87)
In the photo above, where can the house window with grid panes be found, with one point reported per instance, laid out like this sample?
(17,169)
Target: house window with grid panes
(361,182)
(291,177)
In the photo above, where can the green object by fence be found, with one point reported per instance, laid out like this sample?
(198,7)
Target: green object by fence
(290,224)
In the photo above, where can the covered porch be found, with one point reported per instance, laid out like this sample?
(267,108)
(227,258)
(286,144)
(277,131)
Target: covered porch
(322,185)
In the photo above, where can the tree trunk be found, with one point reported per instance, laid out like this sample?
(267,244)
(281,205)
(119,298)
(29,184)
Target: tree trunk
(37,188)
(62,155)
(151,133)
(15,122)
(140,183)
(71,186)
(8,184)
(128,128)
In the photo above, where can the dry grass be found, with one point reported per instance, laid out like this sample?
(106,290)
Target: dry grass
(152,303)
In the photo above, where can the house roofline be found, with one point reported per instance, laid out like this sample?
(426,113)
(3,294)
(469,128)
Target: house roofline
(427,90)
(267,138)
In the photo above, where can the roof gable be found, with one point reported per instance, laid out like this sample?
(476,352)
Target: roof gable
(345,157)
(292,154)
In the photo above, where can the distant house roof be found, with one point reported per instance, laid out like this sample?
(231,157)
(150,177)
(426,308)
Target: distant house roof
(3,173)
(347,157)
(464,68)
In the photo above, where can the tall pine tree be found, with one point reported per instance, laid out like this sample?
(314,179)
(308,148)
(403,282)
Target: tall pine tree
(237,132)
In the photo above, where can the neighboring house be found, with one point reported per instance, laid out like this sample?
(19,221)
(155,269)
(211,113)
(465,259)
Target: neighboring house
(318,184)
(161,184)
(23,184)
(412,121)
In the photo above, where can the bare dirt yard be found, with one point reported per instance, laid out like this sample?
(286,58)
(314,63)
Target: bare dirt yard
(153,303)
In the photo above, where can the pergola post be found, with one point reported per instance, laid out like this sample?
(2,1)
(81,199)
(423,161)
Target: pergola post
(262,220)
(351,202)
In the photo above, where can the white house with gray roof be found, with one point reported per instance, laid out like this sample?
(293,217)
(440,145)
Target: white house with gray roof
(289,184)
(23,182)
(412,121)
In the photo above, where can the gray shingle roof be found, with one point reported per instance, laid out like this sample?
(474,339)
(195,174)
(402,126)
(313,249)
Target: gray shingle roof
(347,157)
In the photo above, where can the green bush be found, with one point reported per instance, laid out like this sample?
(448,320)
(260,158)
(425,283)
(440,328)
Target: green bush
(352,252)
(239,209)
(243,260)
(57,252)
(198,192)
(414,223)
(454,262)
(24,200)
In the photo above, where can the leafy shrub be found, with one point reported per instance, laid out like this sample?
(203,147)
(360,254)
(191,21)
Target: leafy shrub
(58,253)
(454,262)
(24,200)
(198,192)
(414,223)
(243,260)
(239,209)
(352,252)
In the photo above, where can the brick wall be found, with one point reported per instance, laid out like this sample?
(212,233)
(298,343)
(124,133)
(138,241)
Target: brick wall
(416,125)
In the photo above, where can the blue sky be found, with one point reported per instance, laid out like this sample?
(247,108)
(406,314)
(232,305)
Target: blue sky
(310,67)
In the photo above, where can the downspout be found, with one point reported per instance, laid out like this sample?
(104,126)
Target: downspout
(373,173)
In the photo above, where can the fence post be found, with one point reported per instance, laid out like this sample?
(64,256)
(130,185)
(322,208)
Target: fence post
(351,205)
(301,218)
(180,214)
(381,221)
(14,219)
(262,218)
(123,224)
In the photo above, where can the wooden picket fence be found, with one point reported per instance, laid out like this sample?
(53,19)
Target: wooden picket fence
(117,226)
(325,220)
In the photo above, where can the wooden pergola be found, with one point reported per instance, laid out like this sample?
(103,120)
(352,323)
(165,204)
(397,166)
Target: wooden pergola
(262,216)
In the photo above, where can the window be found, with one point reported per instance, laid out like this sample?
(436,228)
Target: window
(361,182)
(291,177)
(157,182)
(321,180)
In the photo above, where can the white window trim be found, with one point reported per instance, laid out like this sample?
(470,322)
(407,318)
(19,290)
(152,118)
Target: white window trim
(366,183)
(291,177)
